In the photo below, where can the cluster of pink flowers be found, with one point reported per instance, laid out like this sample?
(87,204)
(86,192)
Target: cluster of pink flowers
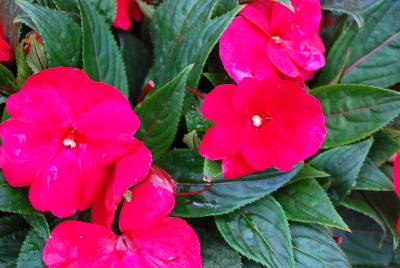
(268,119)
(71,140)
(5,48)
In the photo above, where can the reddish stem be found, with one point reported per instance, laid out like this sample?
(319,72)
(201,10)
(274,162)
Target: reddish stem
(195,92)
(205,189)
(147,88)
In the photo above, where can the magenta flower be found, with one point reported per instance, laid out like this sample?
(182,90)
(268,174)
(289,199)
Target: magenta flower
(63,134)
(127,10)
(260,124)
(270,40)
(5,48)
(396,174)
(149,238)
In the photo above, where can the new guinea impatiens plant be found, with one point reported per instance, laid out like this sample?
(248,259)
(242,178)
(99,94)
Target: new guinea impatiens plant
(199,133)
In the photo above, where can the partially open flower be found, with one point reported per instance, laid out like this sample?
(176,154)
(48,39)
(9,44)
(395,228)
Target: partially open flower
(260,124)
(127,10)
(149,237)
(63,134)
(5,48)
(268,39)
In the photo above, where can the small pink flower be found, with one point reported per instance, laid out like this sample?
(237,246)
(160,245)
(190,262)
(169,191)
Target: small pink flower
(127,10)
(270,40)
(63,134)
(5,48)
(149,237)
(260,124)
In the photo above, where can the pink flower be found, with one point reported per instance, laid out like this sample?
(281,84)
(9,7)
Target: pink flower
(260,124)
(5,48)
(270,40)
(149,238)
(63,134)
(127,10)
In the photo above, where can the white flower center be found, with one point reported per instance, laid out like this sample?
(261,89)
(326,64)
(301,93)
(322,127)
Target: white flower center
(68,142)
(257,120)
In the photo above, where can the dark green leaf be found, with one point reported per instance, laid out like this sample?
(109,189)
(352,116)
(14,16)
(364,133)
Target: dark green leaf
(106,8)
(366,245)
(102,59)
(195,121)
(218,78)
(371,178)
(186,167)
(215,252)
(373,50)
(357,202)
(350,8)
(137,60)
(23,69)
(306,201)
(314,247)
(354,112)
(387,204)
(343,164)
(160,114)
(7,81)
(309,172)
(9,11)
(14,199)
(61,35)
(260,232)
(386,143)
(12,233)
(184,32)
(212,169)
(36,57)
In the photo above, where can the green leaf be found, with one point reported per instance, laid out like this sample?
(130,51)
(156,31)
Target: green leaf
(387,204)
(260,232)
(366,245)
(218,78)
(357,202)
(186,167)
(314,247)
(9,11)
(6,77)
(306,201)
(286,3)
(185,32)
(23,69)
(215,252)
(60,34)
(350,8)
(195,121)
(12,233)
(354,112)
(102,59)
(160,113)
(343,164)
(212,169)
(386,143)
(14,200)
(309,172)
(106,8)
(371,178)
(373,51)
(137,60)
(30,254)
(36,57)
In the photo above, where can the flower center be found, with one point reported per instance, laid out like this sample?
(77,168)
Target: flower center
(257,120)
(69,139)
(276,39)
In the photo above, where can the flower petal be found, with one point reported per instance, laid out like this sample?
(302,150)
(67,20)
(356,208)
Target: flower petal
(259,13)
(150,204)
(235,166)
(242,49)
(122,19)
(80,244)
(208,149)
(172,243)
(217,105)
(396,174)
(280,58)
(25,150)
(58,187)
(128,171)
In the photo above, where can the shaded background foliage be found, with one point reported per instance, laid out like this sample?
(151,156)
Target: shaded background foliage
(268,219)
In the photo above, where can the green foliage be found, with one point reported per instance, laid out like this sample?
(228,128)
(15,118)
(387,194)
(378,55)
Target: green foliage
(185,37)
(102,59)
(350,8)
(12,233)
(160,114)
(314,247)
(371,178)
(223,196)
(343,164)
(61,35)
(373,50)
(354,112)
(386,143)
(260,232)
(306,201)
